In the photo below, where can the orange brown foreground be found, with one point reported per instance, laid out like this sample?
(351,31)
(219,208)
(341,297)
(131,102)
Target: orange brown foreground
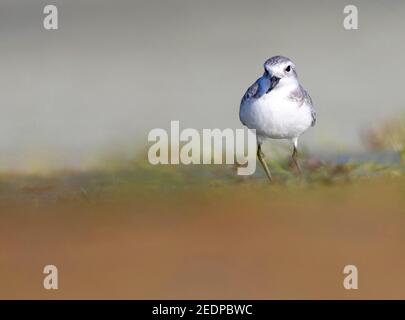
(244,241)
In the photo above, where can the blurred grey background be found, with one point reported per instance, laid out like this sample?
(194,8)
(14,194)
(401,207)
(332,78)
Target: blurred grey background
(116,69)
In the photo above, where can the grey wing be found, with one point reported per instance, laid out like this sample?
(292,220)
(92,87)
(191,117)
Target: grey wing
(301,96)
(256,90)
(313,112)
(308,100)
(251,92)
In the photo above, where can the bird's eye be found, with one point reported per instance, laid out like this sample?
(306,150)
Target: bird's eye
(288,69)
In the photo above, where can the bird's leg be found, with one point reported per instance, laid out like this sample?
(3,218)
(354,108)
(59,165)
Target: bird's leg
(295,159)
(260,156)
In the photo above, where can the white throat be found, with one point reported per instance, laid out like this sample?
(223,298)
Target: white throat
(287,84)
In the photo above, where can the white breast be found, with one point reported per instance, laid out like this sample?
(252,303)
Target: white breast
(275,116)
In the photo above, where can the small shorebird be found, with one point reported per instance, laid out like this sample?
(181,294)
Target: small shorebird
(277,106)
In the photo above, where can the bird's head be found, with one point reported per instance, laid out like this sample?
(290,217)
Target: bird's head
(280,70)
